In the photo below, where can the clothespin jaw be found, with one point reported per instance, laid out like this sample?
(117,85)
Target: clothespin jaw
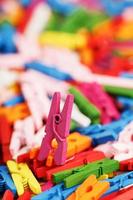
(57,127)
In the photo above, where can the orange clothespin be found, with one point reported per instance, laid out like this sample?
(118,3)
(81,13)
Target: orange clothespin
(76,143)
(90,189)
(16,112)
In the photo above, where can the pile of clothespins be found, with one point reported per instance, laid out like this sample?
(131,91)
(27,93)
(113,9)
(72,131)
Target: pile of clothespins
(66,99)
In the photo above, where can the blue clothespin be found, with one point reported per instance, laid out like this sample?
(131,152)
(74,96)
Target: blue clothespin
(57,192)
(127,103)
(51,71)
(114,7)
(7,32)
(119,182)
(104,133)
(13,101)
(6,181)
(98,133)
(61,7)
(105,136)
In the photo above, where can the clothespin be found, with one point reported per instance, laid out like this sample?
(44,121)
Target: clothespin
(91,188)
(8,195)
(63,40)
(79,159)
(41,11)
(58,191)
(77,175)
(23,135)
(23,177)
(94,92)
(119,182)
(7,33)
(5,136)
(120,195)
(118,91)
(13,101)
(89,20)
(86,107)
(6,180)
(51,71)
(126,165)
(123,147)
(57,126)
(99,134)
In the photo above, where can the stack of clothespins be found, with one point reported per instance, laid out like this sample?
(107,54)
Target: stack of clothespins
(66,100)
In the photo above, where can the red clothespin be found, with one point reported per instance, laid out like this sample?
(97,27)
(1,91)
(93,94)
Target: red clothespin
(26,196)
(8,195)
(5,136)
(126,165)
(125,194)
(57,127)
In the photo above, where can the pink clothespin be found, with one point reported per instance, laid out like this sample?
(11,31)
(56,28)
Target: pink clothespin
(95,93)
(57,127)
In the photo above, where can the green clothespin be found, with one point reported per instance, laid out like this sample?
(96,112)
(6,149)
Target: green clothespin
(86,107)
(77,20)
(77,175)
(119,91)
(82,18)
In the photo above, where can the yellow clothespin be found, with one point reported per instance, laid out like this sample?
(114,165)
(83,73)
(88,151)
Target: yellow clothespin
(65,40)
(23,177)
(90,189)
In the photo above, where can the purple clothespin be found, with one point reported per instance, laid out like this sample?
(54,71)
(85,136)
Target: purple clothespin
(57,127)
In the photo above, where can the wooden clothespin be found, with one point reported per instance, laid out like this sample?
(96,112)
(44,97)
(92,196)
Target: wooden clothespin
(23,177)
(89,189)
(5,136)
(8,195)
(57,127)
